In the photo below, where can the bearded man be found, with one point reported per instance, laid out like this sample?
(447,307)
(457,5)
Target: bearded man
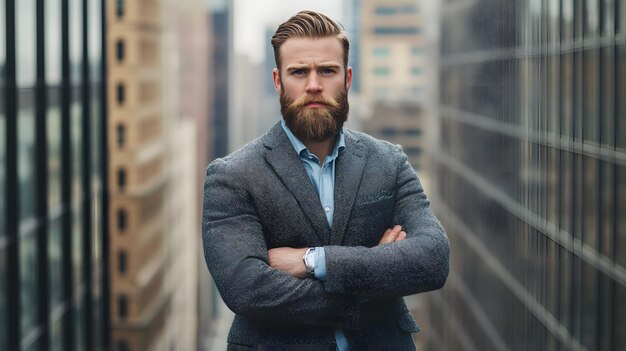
(313,233)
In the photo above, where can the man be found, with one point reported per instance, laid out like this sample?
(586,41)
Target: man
(313,232)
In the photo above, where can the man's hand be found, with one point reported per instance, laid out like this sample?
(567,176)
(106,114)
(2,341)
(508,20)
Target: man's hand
(288,259)
(392,235)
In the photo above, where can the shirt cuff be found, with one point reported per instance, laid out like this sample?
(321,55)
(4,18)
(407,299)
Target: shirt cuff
(320,263)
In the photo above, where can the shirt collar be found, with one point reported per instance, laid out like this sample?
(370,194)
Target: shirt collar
(300,147)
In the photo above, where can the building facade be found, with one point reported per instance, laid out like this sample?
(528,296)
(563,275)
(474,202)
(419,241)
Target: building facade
(531,176)
(391,49)
(53,189)
(157,114)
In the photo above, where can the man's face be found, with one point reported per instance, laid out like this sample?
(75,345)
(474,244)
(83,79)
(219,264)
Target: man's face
(313,87)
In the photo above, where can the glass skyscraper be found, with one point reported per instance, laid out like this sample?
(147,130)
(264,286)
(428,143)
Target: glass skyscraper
(531,175)
(52,176)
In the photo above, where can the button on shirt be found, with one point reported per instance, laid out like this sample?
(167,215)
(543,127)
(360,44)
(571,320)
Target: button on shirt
(323,180)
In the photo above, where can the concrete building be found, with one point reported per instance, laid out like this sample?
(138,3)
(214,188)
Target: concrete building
(158,114)
(391,59)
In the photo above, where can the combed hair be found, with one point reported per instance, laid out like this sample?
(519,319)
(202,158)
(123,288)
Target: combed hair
(309,24)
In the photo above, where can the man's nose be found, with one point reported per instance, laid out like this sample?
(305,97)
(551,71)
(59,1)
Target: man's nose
(313,84)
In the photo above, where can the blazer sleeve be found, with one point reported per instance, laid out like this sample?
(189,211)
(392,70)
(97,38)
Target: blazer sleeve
(236,255)
(417,264)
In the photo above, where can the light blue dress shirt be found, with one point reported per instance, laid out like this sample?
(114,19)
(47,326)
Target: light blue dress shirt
(323,179)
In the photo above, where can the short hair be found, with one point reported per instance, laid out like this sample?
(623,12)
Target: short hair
(309,24)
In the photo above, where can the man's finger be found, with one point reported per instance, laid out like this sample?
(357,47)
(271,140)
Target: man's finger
(401,236)
(390,235)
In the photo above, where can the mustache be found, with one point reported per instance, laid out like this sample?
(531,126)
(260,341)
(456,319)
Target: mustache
(314,99)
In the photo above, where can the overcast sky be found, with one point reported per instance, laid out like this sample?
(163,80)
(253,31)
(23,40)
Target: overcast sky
(252,17)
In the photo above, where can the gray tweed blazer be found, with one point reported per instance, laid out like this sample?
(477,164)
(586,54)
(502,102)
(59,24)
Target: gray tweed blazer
(260,197)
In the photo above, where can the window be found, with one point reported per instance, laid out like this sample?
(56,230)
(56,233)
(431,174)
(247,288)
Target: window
(382,71)
(122,306)
(119,49)
(120,135)
(416,51)
(121,220)
(119,8)
(396,30)
(121,179)
(395,10)
(381,52)
(121,93)
(121,262)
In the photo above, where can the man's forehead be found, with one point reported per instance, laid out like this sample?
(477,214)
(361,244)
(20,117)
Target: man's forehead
(303,50)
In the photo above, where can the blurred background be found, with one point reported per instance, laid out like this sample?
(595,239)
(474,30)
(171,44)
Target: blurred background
(513,113)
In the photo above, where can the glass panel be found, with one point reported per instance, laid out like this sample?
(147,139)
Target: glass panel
(25,39)
(79,324)
(2,166)
(95,40)
(620,139)
(621,13)
(28,284)
(567,26)
(53,42)
(620,317)
(2,121)
(55,255)
(26,153)
(591,201)
(3,301)
(590,307)
(591,112)
(2,41)
(620,230)
(56,336)
(77,190)
(54,150)
(592,18)
(76,37)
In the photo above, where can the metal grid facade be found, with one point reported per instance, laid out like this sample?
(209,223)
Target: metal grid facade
(52,176)
(531,170)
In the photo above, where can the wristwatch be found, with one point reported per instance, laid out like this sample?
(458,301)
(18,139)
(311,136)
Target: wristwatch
(309,262)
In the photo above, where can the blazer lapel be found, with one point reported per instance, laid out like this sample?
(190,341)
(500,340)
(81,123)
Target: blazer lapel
(348,173)
(287,164)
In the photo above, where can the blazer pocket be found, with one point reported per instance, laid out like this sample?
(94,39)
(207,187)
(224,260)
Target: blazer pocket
(373,199)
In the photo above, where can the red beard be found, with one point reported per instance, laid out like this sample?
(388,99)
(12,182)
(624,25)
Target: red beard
(314,124)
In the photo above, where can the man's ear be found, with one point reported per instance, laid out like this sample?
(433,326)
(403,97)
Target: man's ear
(276,79)
(348,78)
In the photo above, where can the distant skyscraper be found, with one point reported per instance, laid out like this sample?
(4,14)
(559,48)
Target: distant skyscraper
(352,16)
(53,236)
(531,176)
(391,59)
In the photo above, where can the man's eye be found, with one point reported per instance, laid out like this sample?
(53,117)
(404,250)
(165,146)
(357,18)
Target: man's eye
(328,71)
(298,72)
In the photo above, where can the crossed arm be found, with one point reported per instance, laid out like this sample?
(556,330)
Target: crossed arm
(289,260)
(259,283)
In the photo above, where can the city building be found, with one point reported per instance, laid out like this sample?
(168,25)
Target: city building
(530,176)
(159,143)
(53,171)
(352,24)
(391,62)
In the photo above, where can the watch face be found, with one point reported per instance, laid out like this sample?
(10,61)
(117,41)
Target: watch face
(309,260)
